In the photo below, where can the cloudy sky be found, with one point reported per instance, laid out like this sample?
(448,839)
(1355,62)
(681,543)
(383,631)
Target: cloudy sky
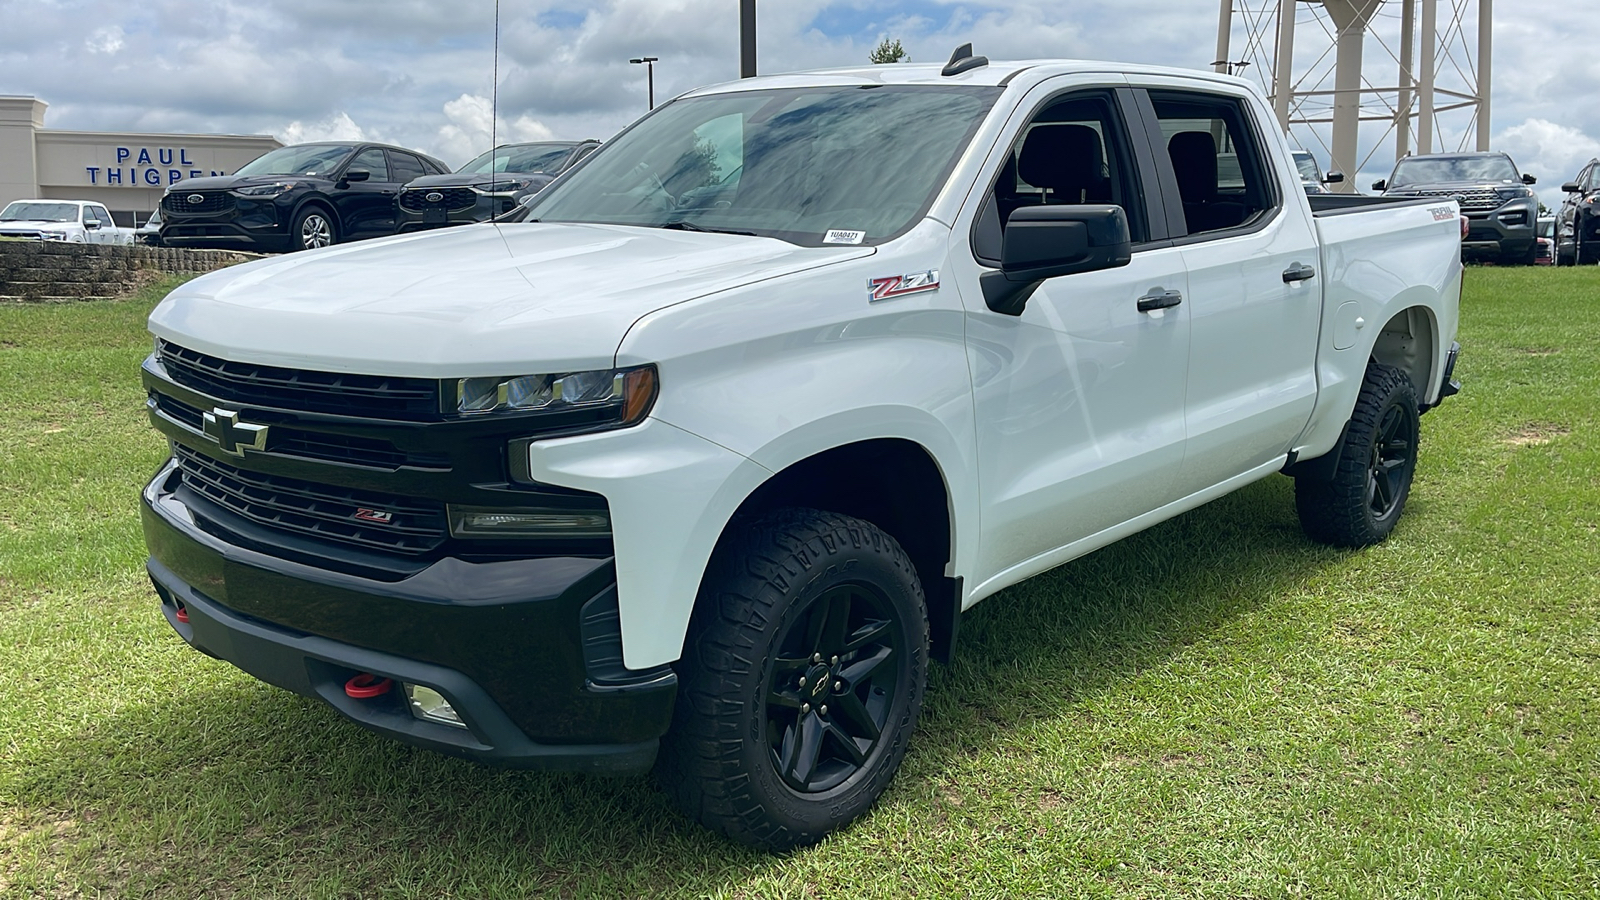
(420,72)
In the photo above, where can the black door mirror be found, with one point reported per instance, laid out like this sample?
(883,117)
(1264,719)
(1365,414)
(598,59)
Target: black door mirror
(1050,241)
(1571,187)
(1380,185)
(1529,179)
(1333,178)
(357,175)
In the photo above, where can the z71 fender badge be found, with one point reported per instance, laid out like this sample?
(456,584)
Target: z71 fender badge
(901,285)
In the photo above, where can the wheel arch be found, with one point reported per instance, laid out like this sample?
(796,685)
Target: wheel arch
(1410,342)
(895,484)
(323,203)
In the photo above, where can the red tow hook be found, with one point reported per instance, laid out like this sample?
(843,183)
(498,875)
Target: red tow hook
(183,614)
(367,685)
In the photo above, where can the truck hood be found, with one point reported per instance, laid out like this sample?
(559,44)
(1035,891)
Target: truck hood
(469,301)
(36,225)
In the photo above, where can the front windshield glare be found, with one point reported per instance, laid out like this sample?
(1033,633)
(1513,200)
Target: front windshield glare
(524,160)
(1454,168)
(791,164)
(39,212)
(310,159)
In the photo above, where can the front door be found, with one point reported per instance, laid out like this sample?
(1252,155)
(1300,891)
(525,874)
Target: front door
(1079,401)
(366,208)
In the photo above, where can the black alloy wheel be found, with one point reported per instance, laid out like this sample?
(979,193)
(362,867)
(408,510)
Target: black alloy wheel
(1389,470)
(801,678)
(829,688)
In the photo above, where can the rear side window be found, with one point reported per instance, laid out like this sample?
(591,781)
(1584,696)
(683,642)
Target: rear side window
(1222,174)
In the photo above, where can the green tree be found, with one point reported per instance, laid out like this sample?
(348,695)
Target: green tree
(889,51)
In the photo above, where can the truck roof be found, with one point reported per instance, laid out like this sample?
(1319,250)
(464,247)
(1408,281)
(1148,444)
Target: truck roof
(997,72)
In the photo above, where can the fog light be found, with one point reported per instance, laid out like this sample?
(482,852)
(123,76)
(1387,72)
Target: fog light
(429,705)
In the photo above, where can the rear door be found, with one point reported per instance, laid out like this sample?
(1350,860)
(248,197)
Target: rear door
(1254,299)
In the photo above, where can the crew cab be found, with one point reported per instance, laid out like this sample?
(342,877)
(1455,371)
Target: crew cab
(700,465)
(68,221)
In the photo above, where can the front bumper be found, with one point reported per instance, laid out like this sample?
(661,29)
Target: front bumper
(254,223)
(485,207)
(1508,231)
(526,650)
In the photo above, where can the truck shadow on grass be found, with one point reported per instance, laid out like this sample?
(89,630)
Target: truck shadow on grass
(229,785)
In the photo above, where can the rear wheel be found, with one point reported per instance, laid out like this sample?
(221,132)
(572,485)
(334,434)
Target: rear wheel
(1363,499)
(801,680)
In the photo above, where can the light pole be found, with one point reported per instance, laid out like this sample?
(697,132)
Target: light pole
(650,75)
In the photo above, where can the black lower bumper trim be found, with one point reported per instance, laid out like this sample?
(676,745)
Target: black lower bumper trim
(1448,386)
(318,667)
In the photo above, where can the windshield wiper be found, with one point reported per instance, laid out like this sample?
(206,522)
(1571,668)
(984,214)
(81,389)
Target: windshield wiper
(681,225)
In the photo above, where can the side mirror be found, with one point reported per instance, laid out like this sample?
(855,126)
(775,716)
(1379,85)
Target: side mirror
(1380,185)
(1333,178)
(357,175)
(92,224)
(1050,241)
(1529,179)
(1571,187)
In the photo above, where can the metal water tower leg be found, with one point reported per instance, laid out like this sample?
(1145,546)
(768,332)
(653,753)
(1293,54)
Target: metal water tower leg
(1485,52)
(1283,66)
(1351,17)
(1430,46)
(1224,29)
(1408,77)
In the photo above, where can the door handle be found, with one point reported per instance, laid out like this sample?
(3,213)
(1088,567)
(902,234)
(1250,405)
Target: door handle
(1159,299)
(1298,272)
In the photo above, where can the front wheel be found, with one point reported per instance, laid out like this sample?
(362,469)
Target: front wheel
(313,228)
(1362,500)
(801,679)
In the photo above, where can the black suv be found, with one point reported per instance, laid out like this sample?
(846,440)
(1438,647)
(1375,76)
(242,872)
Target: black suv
(295,198)
(489,186)
(1578,221)
(1502,211)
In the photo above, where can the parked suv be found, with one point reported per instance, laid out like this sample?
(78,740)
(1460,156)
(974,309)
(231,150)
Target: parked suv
(491,185)
(1311,176)
(1501,209)
(1578,221)
(295,198)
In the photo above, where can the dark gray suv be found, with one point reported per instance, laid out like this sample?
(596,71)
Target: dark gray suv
(1502,211)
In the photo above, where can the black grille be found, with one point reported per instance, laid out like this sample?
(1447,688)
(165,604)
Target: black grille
(211,202)
(371,396)
(317,510)
(1471,201)
(288,441)
(450,198)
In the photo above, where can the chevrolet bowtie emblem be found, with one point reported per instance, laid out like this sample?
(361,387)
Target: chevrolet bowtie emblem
(232,435)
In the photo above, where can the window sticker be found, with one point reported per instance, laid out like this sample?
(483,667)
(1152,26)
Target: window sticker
(841,236)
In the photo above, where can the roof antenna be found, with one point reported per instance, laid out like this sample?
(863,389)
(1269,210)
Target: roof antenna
(494,89)
(962,60)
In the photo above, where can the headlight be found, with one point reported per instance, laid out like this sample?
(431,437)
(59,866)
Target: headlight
(262,190)
(520,522)
(1514,193)
(502,187)
(626,393)
(53,235)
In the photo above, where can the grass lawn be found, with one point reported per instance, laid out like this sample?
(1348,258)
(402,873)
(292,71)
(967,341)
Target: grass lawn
(1214,708)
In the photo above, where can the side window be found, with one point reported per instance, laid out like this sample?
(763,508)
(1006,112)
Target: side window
(1073,151)
(104,215)
(1594,178)
(404,167)
(89,216)
(372,160)
(1223,177)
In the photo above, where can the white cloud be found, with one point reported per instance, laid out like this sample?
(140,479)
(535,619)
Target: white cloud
(105,40)
(1551,151)
(466,132)
(338,127)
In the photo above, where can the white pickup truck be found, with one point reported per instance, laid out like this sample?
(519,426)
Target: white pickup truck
(705,459)
(70,221)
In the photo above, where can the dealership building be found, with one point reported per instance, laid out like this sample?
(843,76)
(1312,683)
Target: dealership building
(127,172)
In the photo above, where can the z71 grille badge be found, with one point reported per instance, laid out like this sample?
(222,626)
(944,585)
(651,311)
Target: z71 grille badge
(382,517)
(900,285)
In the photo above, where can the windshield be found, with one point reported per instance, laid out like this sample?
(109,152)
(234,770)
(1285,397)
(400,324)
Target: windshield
(520,158)
(850,164)
(22,211)
(1307,166)
(1547,228)
(306,159)
(1453,168)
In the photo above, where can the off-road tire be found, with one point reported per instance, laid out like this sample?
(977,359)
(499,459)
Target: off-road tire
(1360,504)
(769,576)
(300,239)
